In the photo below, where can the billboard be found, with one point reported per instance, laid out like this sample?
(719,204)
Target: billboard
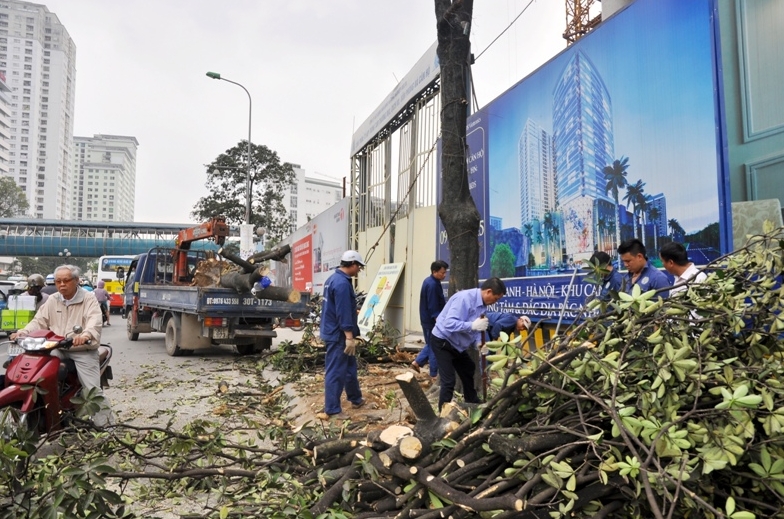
(617,137)
(316,248)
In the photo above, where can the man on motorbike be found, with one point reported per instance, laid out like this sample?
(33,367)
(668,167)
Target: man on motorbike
(73,306)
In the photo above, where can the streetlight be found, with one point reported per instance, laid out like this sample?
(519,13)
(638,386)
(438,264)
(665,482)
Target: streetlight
(215,75)
(64,252)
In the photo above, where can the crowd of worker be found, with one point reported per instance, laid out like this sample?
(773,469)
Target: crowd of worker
(453,327)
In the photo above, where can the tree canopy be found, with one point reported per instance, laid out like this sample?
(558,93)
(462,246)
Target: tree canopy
(226,181)
(13,201)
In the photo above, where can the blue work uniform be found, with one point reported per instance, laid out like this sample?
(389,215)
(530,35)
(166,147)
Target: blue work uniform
(650,278)
(339,315)
(451,339)
(431,302)
(611,282)
(500,322)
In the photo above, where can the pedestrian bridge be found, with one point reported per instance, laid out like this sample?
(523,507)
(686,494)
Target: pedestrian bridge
(87,239)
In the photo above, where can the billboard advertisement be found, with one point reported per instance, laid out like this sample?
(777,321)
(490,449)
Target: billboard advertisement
(617,137)
(316,248)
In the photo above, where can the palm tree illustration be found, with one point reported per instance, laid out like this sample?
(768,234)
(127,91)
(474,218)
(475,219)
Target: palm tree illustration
(632,196)
(675,228)
(654,213)
(615,174)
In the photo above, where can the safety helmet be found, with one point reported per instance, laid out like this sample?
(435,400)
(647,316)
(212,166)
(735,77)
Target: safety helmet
(50,279)
(351,256)
(35,280)
(101,284)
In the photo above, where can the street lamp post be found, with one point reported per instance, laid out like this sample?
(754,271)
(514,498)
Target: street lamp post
(215,75)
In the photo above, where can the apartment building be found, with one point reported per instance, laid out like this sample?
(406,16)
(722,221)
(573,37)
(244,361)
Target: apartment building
(104,178)
(38,58)
(310,196)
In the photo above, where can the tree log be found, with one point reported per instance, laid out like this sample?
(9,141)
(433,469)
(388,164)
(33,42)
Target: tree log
(417,399)
(407,449)
(276,254)
(244,265)
(515,448)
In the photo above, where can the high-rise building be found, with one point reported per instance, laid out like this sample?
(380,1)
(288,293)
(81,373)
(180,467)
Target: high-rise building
(5,127)
(583,136)
(537,178)
(310,196)
(38,59)
(104,178)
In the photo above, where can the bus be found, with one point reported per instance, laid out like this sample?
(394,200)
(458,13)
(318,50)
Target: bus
(107,272)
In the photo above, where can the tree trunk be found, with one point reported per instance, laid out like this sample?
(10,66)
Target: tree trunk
(457,209)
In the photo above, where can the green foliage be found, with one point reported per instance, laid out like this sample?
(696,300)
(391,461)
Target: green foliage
(226,181)
(677,394)
(13,201)
(502,263)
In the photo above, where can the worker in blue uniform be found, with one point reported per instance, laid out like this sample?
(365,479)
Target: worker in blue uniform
(641,272)
(498,322)
(339,331)
(431,302)
(612,281)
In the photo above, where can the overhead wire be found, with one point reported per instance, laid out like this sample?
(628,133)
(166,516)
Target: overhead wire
(506,29)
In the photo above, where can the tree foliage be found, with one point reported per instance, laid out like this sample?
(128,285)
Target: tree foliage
(46,265)
(13,201)
(502,263)
(226,181)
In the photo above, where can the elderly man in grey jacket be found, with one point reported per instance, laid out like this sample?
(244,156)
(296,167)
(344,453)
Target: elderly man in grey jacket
(73,306)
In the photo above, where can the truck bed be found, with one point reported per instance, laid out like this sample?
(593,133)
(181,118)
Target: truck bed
(217,301)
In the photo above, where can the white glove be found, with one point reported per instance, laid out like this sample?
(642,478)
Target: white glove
(526,322)
(351,347)
(479,324)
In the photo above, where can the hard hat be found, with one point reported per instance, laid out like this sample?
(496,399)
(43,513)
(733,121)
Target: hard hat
(351,256)
(50,279)
(35,280)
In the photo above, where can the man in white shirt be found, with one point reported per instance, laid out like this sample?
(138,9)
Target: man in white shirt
(675,260)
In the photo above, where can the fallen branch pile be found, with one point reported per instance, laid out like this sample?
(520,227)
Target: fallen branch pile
(647,409)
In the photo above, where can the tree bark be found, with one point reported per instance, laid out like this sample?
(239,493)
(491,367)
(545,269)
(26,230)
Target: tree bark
(457,209)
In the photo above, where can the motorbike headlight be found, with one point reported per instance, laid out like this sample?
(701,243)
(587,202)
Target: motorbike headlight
(33,343)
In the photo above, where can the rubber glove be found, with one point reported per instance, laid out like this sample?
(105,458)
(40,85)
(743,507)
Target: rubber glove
(479,324)
(351,347)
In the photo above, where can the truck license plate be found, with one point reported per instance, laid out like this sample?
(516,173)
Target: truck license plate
(220,333)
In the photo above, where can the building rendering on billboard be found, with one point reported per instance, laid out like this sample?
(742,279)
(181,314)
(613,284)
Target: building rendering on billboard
(614,138)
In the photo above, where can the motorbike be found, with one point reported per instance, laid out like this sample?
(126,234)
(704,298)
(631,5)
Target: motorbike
(37,389)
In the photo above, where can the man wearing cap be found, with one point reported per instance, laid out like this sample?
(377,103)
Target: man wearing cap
(498,322)
(612,281)
(339,331)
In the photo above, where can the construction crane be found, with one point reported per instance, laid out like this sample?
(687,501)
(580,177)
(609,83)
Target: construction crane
(215,229)
(578,20)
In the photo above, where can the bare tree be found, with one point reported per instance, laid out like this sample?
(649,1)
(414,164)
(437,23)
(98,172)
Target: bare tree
(457,209)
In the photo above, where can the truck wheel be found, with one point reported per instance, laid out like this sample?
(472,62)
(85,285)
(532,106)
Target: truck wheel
(246,349)
(264,343)
(173,339)
(132,336)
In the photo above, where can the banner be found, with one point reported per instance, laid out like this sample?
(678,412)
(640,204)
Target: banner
(615,138)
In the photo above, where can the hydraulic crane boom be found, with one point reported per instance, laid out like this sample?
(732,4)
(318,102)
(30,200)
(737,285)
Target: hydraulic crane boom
(214,229)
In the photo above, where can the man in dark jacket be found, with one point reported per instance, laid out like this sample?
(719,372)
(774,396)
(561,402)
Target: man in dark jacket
(339,331)
(431,302)
(498,322)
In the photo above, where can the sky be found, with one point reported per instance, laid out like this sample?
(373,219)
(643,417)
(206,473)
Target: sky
(315,70)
